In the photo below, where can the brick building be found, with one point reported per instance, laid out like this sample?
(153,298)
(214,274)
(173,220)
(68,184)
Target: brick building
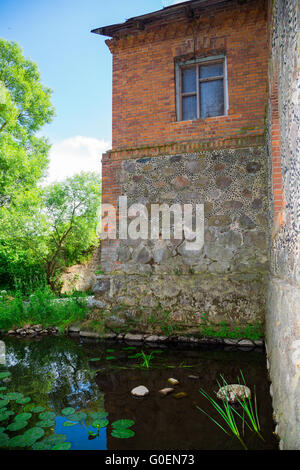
(206,111)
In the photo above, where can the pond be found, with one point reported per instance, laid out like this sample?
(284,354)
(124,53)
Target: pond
(61,392)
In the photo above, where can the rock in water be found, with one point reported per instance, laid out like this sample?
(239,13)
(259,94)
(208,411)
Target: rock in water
(180,395)
(165,391)
(140,391)
(173,381)
(234,392)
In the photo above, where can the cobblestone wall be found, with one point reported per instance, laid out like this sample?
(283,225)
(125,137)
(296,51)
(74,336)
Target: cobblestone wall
(221,277)
(283,313)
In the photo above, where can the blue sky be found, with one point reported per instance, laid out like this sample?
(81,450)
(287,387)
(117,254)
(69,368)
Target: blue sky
(76,65)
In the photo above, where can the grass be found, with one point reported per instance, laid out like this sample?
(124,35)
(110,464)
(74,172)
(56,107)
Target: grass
(227,413)
(39,308)
(223,330)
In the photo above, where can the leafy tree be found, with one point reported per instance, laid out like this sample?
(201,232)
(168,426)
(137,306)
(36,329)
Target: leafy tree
(24,108)
(72,208)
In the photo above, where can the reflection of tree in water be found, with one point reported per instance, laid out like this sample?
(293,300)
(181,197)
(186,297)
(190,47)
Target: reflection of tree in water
(53,372)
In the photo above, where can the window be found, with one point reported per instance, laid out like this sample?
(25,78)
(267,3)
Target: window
(201,89)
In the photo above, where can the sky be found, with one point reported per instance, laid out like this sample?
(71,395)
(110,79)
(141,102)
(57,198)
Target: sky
(77,66)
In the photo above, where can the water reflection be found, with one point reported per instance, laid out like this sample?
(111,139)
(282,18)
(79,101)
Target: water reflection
(59,372)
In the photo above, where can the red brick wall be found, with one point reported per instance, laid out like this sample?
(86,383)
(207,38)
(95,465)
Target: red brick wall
(144,98)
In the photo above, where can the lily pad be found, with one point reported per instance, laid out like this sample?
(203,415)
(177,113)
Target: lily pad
(79,416)
(100,423)
(110,358)
(95,359)
(98,414)
(18,441)
(23,401)
(14,395)
(34,434)
(23,417)
(37,409)
(47,415)
(5,414)
(4,375)
(69,424)
(123,423)
(2,429)
(62,446)
(55,439)
(122,433)
(4,440)
(46,423)
(93,434)
(110,350)
(129,348)
(2,389)
(4,402)
(17,425)
(42,445)
(68,411)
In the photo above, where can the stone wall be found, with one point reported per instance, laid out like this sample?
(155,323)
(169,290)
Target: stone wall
(218,280)
(283,312)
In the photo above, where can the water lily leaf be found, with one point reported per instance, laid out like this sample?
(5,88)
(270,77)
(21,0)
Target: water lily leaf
(34,434)
(110,358)
(14,395)
(5,414)
(68,424)
(41,445)
(18,441)
(4,402)
(98,414)
(100,423)
(79,416)
(93,434)
(46,423)
(4,440)
(23,401)
(2,429)
(95,359)
(47,415)
(129,348)
(123,423)
(55,439)
(37,409)
(17,425)
(23,417)
(122,433)
(62,446)
(110,350)
(4,375)
(68,411)
(2,389)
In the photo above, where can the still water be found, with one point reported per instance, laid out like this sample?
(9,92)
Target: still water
(95,379)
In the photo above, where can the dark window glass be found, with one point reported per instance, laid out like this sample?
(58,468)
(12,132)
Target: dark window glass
(212,98)
(213,70)
(189,80)
(189,107)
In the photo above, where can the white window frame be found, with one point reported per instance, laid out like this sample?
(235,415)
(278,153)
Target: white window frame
(179,65)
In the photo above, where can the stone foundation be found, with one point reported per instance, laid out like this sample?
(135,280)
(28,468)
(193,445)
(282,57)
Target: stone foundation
(225,280)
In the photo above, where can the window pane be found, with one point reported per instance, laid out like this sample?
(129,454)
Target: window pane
(212,98)
(213,70)
(189,80)
(189,107)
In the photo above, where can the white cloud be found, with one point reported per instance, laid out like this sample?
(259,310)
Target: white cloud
(75,154)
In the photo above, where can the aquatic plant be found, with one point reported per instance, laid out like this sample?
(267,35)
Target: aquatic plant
(225,411)
(146,358)
(249,416)
(249,410)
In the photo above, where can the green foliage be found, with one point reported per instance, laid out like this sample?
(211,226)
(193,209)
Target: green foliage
(42,308)
(223,330)
(227,412)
